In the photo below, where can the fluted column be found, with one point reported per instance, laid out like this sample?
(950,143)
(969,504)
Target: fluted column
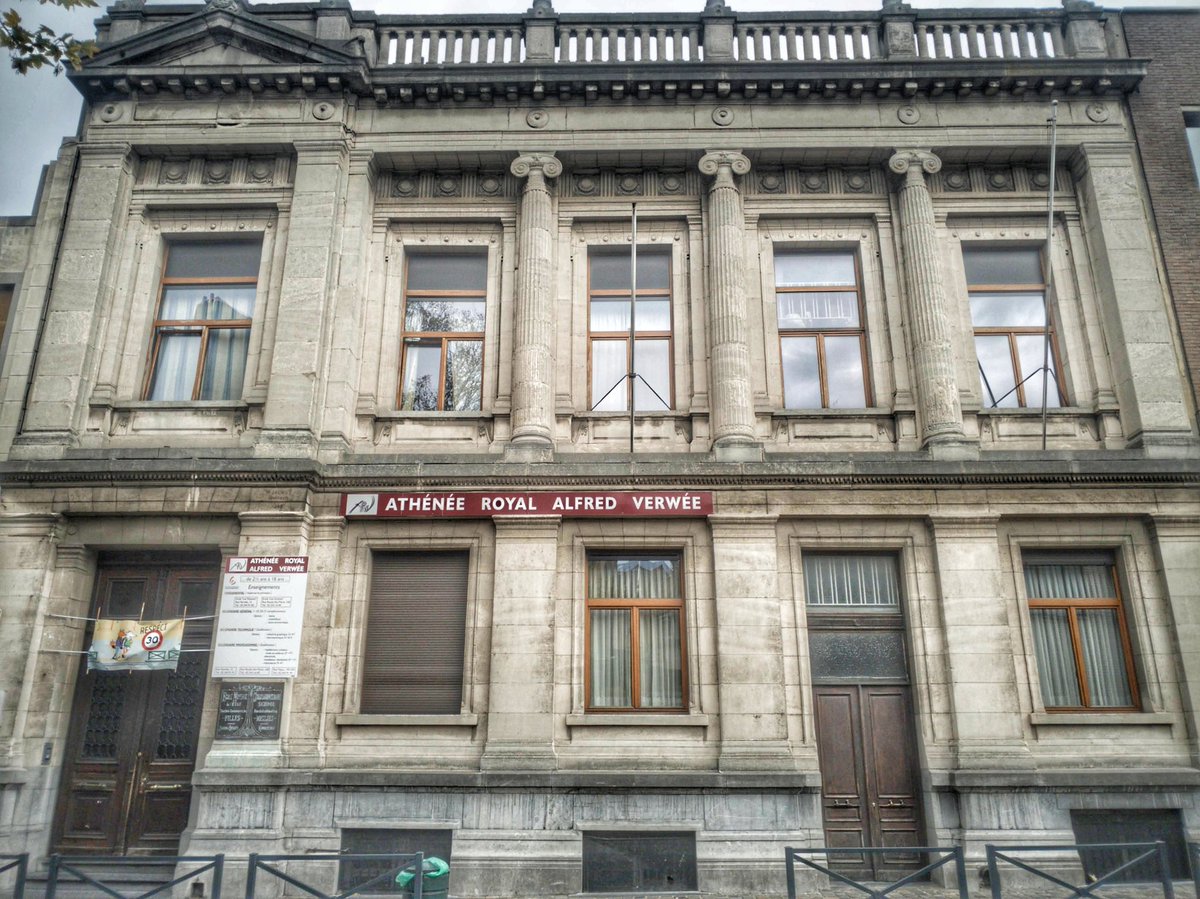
(933,352)
(731,400)
(533,328)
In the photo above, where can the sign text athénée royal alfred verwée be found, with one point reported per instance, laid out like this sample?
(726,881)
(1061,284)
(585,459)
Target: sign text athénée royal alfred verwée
(262,612)
(569,504)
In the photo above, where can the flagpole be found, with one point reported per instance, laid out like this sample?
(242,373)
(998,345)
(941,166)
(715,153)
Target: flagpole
(1049,264)
(632,326)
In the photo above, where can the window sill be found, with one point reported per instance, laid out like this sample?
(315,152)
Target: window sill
(623,414)
(353,720)
(638,719)
(403,415)
(1033,411)
(192,405)
(1102,719)
(863,412)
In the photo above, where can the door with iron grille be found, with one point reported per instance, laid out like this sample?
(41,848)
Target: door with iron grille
(131,748)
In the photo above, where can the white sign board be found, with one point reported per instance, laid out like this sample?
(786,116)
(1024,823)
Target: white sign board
(262,612)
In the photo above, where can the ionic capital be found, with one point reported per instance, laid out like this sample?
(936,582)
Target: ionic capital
(546,163)
(906,160)
(714,160)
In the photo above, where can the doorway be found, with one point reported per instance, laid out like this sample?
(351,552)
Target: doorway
(131,746)
(866,744)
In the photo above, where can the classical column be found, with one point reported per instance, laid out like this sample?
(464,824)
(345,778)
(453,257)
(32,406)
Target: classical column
(731,402)
(533,327)
(933,352)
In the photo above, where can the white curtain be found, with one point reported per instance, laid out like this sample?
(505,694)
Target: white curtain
(660,670)
(1104,659)
(1056,660)
(611,671)
(851,580)
(633,579)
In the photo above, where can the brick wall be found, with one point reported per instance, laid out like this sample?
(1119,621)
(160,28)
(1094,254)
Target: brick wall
(1170,40)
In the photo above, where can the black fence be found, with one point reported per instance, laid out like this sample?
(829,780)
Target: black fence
(20,865)
(266,866)
(74,869)
(946,856)
(1152,854)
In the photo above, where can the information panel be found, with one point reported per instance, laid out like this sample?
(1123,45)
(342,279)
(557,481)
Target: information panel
(582,504)
(249,711)
(262,611)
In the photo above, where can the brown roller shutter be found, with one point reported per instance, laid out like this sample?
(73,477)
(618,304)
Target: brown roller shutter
(413,653)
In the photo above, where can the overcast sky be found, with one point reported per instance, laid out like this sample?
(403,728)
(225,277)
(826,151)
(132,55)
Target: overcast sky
(41,109)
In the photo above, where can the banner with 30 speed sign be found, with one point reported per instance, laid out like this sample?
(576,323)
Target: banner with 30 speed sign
(124,645)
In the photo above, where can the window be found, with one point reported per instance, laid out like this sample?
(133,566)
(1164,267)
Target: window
(1079,634)
(1191,122)
(645,862)
(822,341)
(445,300)
(1115,826)
(608,331)
(378,841)
(1008,312)
(202,331)
(635,632)
(416,631)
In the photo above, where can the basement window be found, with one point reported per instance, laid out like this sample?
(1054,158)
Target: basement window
(639,862)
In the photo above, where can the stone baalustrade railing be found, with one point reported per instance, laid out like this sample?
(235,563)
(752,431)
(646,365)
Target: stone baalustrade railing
(545,38)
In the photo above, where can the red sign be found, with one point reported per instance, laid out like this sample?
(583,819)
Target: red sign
(267,564)
(631,504)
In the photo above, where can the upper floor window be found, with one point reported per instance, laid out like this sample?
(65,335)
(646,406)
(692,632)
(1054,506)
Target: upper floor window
(609,293)
(822,341)
(202,329)
(1079,633)
(445,299)
(1191,123)
(1007,292)
(635,632)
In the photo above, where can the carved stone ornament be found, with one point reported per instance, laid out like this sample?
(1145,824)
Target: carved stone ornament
(909,115)
(549,166)
(217,171)
(1097,112)
(111,112)
(537,118)
(714,160)
(225,5)
(903,160)
(722,116)
(858,182)
(671,183)
(491,185)
(999,179)
(323,111)
(958,180)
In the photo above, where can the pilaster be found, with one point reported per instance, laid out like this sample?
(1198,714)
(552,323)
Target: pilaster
(933,353)
(731,398)
(1178,547)
(980,654)
(520,728)
(750,665)
(294,393)
(533,326)
(79,298)
(1134,309)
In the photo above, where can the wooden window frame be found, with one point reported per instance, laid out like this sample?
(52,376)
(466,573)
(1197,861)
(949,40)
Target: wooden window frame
(441,339)
(623,336)
(1071,607)
(634,605)
(821,333)
(1012,333)
(162,327)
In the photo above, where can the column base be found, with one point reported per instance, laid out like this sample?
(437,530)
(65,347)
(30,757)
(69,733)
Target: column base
(735,449)
(952,448)
(756,756)
(286,444)
(529,449)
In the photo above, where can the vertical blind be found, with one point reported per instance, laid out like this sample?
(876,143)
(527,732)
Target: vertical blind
(850,580)
(416,626)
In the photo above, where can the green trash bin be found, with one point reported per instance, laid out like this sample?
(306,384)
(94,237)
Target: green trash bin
(435,880)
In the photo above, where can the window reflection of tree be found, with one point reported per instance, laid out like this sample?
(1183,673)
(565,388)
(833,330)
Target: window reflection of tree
(424,395)
(464,375)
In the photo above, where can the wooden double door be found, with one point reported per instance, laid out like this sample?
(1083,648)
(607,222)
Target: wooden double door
(865,739)
(131,748)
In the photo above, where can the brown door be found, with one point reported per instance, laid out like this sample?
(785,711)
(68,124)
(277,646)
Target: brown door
(132,743)
(868,782)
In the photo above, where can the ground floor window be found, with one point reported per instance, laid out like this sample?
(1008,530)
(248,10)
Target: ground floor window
(645,861)
(1129,826)
(635,632)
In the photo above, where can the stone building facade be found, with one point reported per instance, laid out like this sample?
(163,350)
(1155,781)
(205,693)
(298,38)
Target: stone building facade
(317,283)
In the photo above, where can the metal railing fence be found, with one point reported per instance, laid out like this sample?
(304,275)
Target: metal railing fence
(1156,851)
(19,863)
(267,865)
(74,865)
(948,854)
